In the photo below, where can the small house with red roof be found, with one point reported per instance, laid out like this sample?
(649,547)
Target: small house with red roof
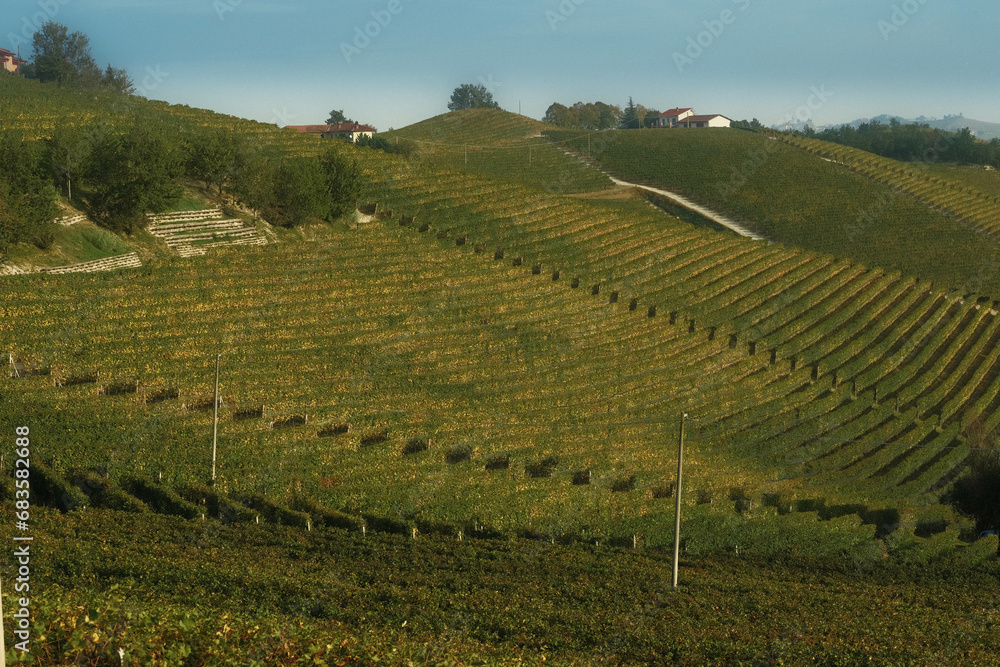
(10,61)
(351,131)
(688,118)
(671,117)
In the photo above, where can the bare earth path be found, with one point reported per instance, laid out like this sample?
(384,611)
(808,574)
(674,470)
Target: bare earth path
(682,201)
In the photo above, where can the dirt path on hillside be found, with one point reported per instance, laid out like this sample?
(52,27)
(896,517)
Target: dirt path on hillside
(717,218)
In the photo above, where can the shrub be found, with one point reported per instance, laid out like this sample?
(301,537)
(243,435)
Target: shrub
(542,467)
(50,488)
(458,454)
(217,504)
(623,484)
(272,512)
(162,499)
(498,462)
(102,493)
(322,516)
(416,445)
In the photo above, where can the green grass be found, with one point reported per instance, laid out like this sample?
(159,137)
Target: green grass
(78,243)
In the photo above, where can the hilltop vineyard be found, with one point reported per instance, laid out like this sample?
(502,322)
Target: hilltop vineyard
(503,321)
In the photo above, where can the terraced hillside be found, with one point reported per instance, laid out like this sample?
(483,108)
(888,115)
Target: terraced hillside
(809,200)
(490,347)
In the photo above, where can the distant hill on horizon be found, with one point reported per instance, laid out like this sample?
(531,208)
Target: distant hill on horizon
(981,129)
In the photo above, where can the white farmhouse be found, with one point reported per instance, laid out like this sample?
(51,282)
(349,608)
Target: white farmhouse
(673,117)
(687,118)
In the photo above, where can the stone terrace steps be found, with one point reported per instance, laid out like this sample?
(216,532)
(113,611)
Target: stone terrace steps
(68,220)
(187,239)
(184,216)
(190,233)
(172,230)
(194,251)
(127,261)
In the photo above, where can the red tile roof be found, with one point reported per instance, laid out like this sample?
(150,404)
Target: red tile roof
(339,127)
(673,112)
(351,127)
(309,129)
(703,119)
(5,54)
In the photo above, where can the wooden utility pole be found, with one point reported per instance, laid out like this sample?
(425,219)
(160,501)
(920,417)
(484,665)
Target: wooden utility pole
(677,506)
(215,418)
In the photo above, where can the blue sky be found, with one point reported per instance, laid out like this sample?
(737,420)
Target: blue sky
(292,62)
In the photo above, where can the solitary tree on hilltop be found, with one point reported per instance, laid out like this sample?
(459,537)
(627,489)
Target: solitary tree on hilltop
(469,96)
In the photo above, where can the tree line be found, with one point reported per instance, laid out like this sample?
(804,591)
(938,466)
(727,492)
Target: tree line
(118,174)
(913,142)
(601,116)
(64,58)
(124,166)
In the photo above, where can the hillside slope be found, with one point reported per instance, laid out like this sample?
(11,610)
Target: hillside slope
(489,355)
(501,146)
(807,200)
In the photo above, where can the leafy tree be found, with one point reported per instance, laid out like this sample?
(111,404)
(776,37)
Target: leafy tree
(337,116)
(326,187)
(558,115)
(472,96)
(254,178)
(63,57)
(749,125)
(342,180)
(976,494)
(131,173)
(211,155)
(584,116)
(118,80)
(68,152)
(299,192)
(649,116)
(630,117)
(915,141)
(27,198)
